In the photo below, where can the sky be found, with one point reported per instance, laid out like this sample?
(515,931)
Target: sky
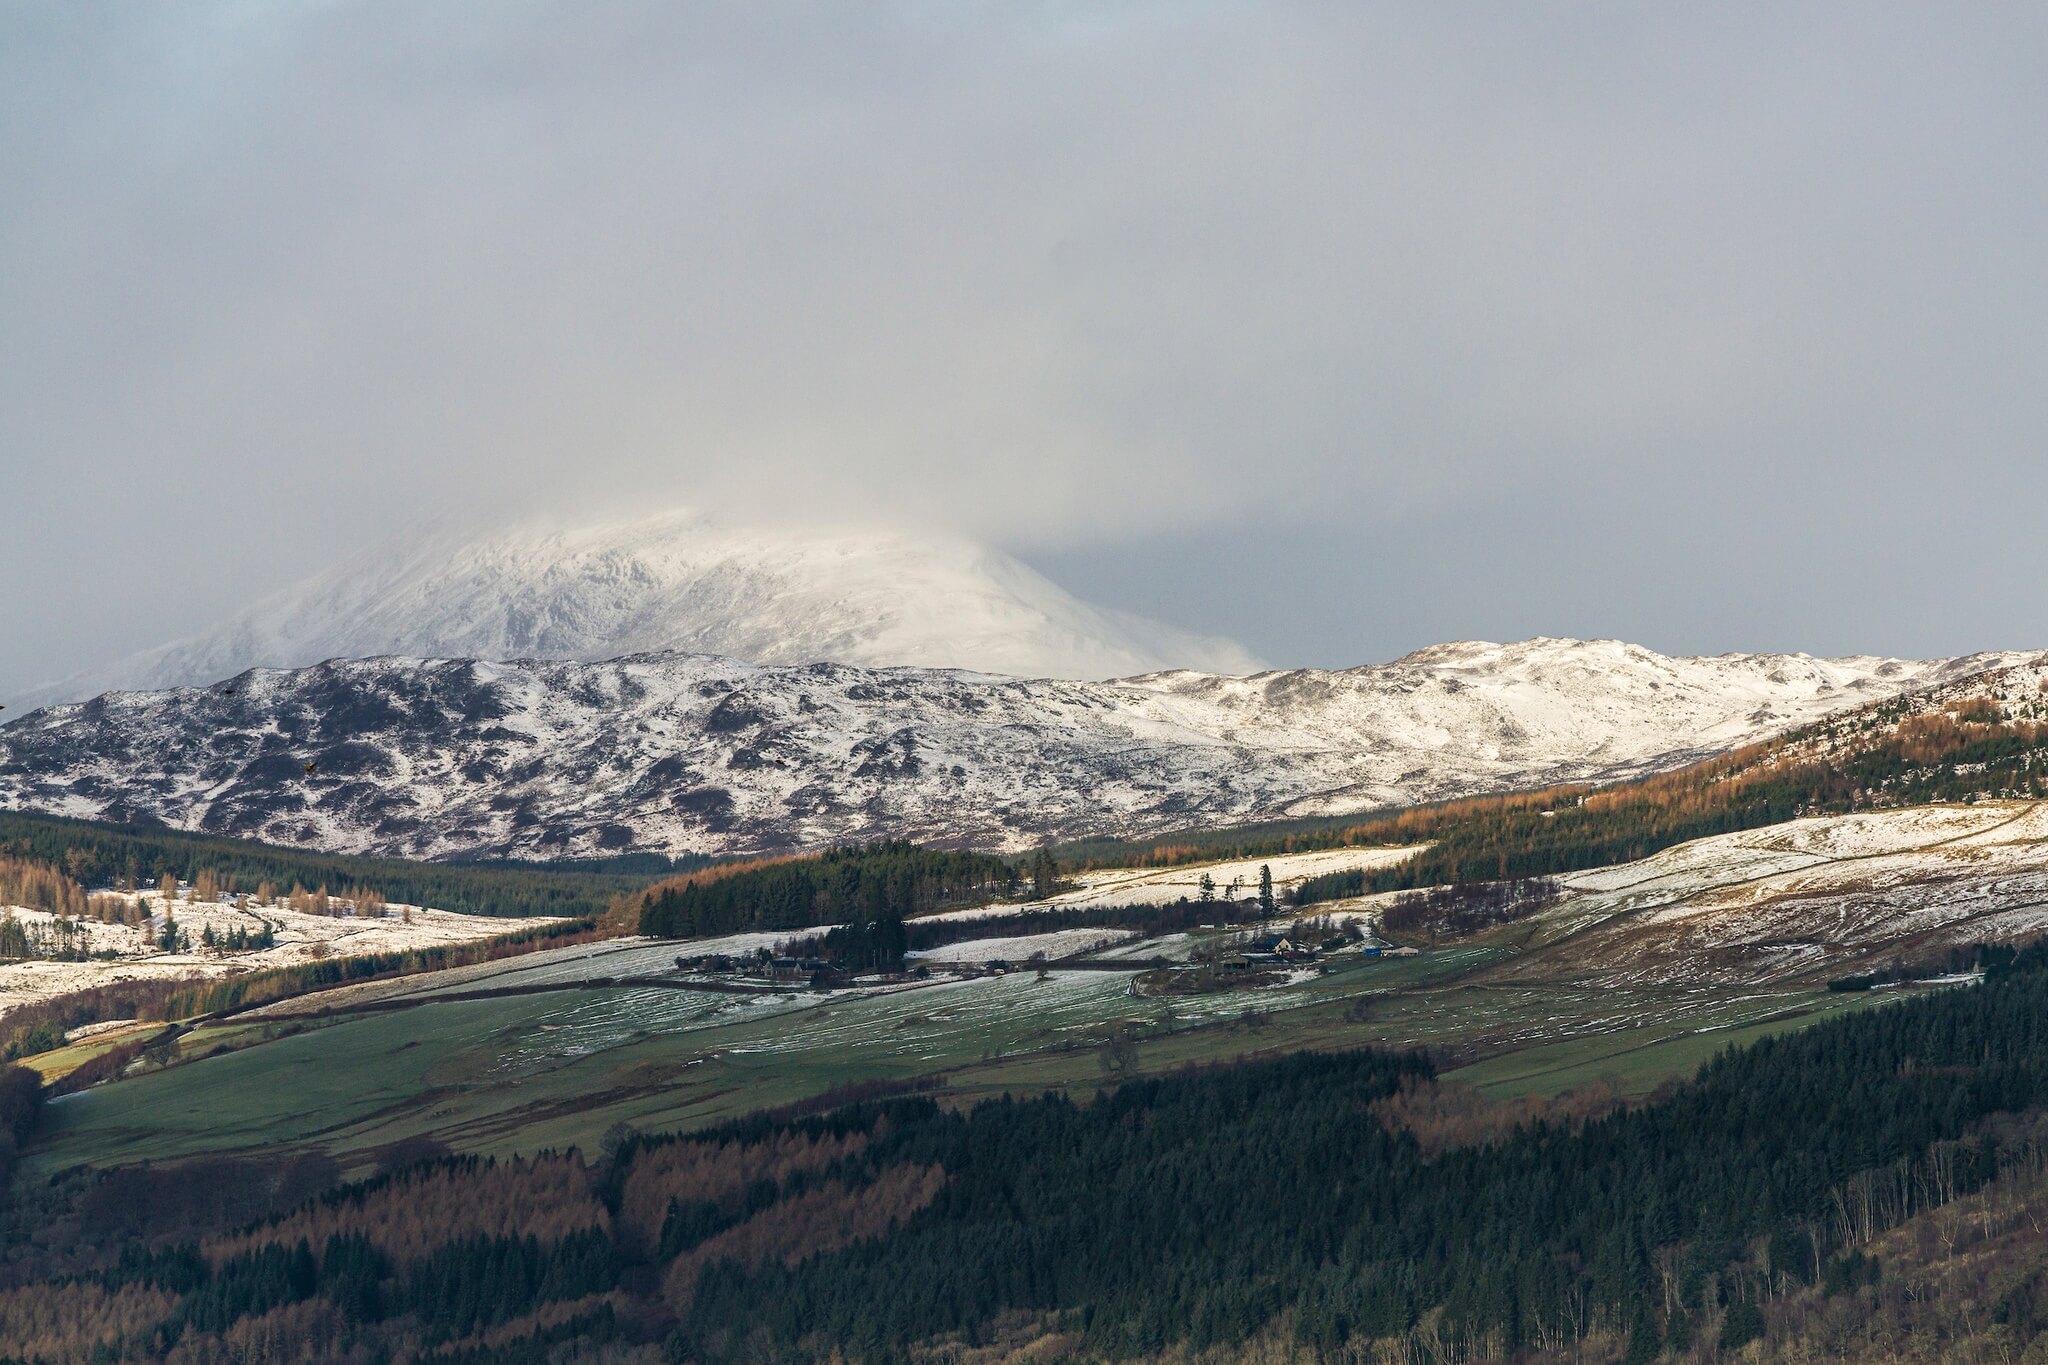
(1337,328)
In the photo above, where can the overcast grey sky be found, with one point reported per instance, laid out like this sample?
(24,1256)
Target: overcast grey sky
(1340,328)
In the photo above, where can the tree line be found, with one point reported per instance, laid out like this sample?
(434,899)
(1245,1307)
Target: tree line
(1467,907)
(1145,921)
(92,854)
(21,1103)
(865,883)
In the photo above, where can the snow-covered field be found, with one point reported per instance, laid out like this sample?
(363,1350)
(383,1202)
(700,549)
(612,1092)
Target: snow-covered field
(1805,896)
(936,1022)
(1056,945)
(299,938)
(1173,947)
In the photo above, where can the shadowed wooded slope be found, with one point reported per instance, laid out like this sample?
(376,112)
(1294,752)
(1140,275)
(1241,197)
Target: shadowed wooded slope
(1211,1208)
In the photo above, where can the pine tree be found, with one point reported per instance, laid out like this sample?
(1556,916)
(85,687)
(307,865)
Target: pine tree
(1044,875)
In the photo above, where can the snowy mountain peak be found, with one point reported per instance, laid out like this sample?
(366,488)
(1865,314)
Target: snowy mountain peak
(681,581)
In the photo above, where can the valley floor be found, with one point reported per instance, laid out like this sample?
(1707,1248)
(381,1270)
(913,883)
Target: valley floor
(1636,976)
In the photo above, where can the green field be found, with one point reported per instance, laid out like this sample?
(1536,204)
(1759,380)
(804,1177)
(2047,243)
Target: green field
(535,1071)
(59,1061)
(560,1067)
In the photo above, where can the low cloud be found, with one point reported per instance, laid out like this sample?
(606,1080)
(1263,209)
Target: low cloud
(276,279)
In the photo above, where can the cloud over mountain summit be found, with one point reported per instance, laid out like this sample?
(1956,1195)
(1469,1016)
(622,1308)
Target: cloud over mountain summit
(678,581)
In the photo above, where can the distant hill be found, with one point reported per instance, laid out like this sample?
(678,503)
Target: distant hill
(676,581)
(679,753)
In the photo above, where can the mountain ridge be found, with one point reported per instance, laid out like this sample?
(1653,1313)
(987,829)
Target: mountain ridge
(672,752)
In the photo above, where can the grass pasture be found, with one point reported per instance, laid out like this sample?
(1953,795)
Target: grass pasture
(64,1060)
(558,1067)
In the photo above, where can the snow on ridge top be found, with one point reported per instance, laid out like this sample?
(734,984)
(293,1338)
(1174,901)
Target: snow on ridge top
(1611,663)
(677,581)
(675,752)
(1550,649)
(1618,662)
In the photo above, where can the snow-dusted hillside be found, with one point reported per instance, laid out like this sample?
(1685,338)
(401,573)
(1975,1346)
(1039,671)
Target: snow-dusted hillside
(1807,899)
(121,953)
(677,581)
(677,752)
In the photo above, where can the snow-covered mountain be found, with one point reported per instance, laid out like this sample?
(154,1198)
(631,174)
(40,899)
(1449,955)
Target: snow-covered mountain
(673,752)
(676,581)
